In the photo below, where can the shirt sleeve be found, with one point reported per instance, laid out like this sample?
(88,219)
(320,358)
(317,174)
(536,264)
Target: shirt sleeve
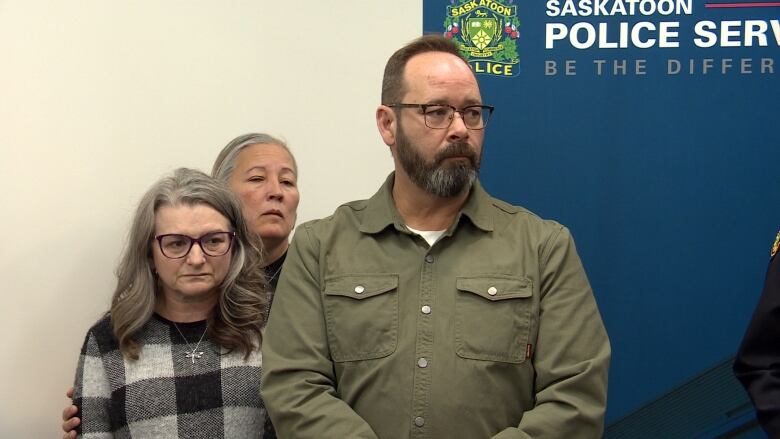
(757,365)
(572,351)
(299,385)
(92,392)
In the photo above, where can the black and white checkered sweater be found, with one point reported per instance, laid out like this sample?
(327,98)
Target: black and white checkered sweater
(163,394)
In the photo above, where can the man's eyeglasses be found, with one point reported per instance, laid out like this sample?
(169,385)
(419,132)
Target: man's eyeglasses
(176,246)
(440,116)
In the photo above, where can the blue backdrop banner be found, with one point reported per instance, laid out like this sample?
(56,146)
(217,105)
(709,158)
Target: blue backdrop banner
(646,126)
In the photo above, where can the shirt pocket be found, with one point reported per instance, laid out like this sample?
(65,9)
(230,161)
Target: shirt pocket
(493,318)
(361,315)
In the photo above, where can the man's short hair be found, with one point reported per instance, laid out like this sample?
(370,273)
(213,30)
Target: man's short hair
(393,86)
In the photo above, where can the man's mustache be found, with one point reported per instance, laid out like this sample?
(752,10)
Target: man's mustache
(460,149)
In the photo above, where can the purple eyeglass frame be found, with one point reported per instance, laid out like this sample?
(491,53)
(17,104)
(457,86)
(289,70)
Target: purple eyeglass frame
(197,240)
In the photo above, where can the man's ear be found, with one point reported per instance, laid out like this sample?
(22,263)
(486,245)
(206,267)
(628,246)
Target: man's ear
(387,124)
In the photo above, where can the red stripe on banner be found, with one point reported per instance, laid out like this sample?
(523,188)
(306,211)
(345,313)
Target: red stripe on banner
(743,5)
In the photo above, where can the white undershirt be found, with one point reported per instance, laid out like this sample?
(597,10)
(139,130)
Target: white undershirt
(430,236)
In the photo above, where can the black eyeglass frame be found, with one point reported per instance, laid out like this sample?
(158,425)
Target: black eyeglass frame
(198,240)
(424,108)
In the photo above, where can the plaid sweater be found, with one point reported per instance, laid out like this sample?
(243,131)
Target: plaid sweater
(163,394)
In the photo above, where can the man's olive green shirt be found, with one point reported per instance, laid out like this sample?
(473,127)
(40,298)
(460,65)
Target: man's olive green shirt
(491,332)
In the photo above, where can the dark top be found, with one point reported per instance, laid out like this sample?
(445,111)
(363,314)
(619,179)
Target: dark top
(758,361)
(272,272)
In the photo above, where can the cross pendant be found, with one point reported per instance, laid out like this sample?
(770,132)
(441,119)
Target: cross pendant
(195,354)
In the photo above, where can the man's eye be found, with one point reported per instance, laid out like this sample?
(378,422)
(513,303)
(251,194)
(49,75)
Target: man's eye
(437,111)
(257,178)
(473,112)
(288,183)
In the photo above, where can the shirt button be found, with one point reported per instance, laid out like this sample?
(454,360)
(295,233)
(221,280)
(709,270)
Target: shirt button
(426,309)
(359,289)
(419,421)
(422,362)
(492,291)
(429,258)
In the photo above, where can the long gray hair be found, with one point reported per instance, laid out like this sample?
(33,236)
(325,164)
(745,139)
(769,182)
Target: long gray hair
(225,163)
(236,320)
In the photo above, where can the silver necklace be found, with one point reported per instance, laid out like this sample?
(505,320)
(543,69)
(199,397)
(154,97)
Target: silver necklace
(192,354)
(276,273)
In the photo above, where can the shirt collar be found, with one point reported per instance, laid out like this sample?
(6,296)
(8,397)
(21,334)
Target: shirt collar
(479,208)
(381,211)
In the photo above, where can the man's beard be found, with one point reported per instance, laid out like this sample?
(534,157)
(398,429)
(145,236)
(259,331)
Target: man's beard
(438,178)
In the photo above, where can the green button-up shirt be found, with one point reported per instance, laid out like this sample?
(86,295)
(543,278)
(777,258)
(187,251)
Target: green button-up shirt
(491,332)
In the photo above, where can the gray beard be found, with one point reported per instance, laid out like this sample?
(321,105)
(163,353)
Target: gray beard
(436,178)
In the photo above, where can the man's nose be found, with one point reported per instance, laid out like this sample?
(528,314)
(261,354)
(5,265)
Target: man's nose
(457,129)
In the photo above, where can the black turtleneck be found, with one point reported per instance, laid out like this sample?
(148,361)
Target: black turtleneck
(273,270)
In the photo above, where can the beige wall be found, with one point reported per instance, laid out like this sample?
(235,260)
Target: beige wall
(99,98)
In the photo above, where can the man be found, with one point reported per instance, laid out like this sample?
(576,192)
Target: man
(758,361)
(432,310)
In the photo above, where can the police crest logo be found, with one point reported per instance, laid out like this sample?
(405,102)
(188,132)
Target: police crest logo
(775,246)
(486,31)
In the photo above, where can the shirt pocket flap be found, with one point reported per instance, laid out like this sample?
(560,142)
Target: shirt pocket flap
(361,286)
(496,287)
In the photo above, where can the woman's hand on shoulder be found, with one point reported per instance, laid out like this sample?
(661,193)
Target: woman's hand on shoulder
(69,419)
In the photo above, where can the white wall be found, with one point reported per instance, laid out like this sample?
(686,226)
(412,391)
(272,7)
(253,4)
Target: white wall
(99,98)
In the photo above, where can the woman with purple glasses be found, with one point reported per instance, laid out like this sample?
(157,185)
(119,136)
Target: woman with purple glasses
(177,355)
